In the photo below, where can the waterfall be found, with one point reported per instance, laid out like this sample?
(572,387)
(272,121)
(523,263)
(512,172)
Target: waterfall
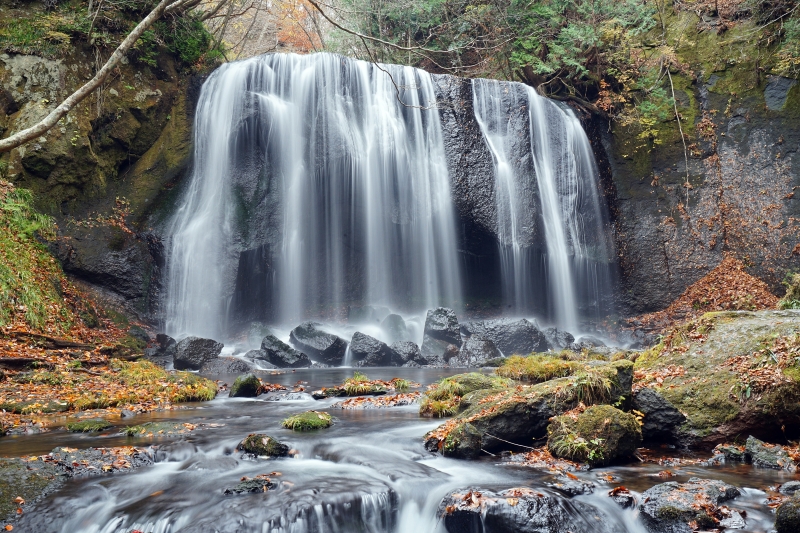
(547,198)
(318,182)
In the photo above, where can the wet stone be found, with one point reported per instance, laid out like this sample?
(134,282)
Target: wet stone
(246,386)
(766,455)
(257,484)
(193,352)
(263,446)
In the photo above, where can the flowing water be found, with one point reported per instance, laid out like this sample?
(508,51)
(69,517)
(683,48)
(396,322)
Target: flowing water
(547,185)
(336,165)
(367,473)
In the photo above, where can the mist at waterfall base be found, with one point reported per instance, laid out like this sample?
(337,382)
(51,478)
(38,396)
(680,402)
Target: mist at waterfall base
(321,183)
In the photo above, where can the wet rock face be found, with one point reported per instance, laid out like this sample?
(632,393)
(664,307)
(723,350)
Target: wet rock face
(225,365)
(193,352)
(475,352)
(369,351)
(280,354)
(670,507)
(409,352)
(661,419)
(441,330)
(318,345)
(509,336)
(609,435)
(558,339)
(517,510)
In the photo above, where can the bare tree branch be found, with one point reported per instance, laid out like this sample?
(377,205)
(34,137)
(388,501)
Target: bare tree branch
(20,138)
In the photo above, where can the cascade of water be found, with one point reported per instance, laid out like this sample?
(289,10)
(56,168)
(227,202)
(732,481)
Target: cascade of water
(547,200)
(335,167)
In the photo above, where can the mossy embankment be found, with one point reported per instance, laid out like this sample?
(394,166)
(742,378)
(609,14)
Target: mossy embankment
(731,374)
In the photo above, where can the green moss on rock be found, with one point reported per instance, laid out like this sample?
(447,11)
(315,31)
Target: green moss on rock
(308,421)
(88,426)
(598,436)
(246,386)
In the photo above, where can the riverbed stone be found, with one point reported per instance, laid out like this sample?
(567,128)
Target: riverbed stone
(508,335)
(670,507)
(280,354)
(661,419)
(441,330)
(192,352)
(246,386)
(766,455)
(790,488)
(475,352)
(262,445)
(517,510)
(317,344)
(369,351)
(225,365)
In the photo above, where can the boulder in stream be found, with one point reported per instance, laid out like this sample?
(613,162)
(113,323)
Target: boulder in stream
(558,339)
(508,335)
(661,419)
(225,365)
(670,507)
(193,352)
(409,352)
(369,351)
(518,510)
(246,386)
(520,414)
(263,446)
(280,354)
(318,345)
(600,435)
(787,517)
(441,330)
(766,455)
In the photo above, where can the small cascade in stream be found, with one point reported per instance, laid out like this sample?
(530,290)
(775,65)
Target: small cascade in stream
(554,244)
(319,181)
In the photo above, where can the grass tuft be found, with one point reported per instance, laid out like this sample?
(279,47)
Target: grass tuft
(537,368)
(308,421)
(88,426)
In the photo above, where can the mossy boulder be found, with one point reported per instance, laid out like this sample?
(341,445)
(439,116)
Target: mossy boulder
(600,435)
(766,455)
(308,421)
(520,414)
(729,373)
(246,386)
(263,446)
(464,442)
(446,397)
(787,517)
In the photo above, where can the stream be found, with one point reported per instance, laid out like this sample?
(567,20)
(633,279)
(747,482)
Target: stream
(367,473)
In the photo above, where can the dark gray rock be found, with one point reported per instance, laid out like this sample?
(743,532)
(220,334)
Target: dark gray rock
(441,330)
(369,351)
(409,352)
(766,455)
(165,342)
(622,497)
(572,487)
(262,445)
(557,339)
(259,357)
(395,328)
(670,507)
(246,386)
(282,355)
(661,419)
(790,488)
(787,517)
(225,365)
(474,353)
(509,336)
(519,510)
(777,90)
(318,345)
(193,352)
(587,342)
